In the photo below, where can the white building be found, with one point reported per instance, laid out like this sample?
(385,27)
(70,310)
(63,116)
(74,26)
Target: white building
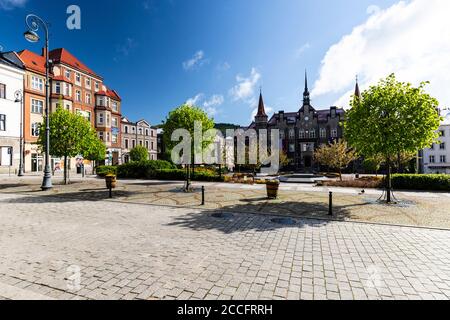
(437,158)
(11,81)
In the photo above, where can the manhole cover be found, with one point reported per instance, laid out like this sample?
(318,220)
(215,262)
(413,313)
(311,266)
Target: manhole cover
(285,221)
(222,215)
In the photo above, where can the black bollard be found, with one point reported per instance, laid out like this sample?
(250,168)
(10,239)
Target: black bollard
(330,208)
(110,192)
(203,195)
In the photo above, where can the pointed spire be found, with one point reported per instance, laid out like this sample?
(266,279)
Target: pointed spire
(261,109)
(357,92)
(306,99)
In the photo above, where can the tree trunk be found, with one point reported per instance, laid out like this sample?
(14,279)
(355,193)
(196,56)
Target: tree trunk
(65,169)
(388,181)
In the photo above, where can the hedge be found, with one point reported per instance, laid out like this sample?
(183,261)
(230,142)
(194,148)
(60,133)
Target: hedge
(142,169)
(104,170)
(439,182)
(180,174)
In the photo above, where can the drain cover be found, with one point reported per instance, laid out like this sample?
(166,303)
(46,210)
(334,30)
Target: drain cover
(222,215)
(285,221)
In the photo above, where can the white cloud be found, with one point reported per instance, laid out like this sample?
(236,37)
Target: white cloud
(209,105)
(409,39)
(373,9)
(302,50)
(196,61)
(244,90)
(11,4)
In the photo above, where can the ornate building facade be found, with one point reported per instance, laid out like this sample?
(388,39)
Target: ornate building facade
(303,131)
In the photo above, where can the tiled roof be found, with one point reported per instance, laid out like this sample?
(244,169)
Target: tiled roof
(32,61)
(110,93)
(61,55)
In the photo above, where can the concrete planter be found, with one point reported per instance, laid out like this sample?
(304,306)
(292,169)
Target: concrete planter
(272,189)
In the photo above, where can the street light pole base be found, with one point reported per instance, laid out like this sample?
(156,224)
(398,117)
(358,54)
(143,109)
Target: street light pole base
(47,181)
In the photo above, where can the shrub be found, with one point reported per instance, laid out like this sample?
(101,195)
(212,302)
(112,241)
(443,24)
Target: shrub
(421,181)
(364,182)
(180,174)
(102,171)
(139,153)
(142,169)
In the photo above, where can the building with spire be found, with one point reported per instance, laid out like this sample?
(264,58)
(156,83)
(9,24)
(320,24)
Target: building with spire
(303,131)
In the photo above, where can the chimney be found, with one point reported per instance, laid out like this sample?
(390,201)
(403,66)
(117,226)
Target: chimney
(44,52)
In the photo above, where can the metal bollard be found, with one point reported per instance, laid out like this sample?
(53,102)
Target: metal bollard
(330,207)
(110,192)
(203,195)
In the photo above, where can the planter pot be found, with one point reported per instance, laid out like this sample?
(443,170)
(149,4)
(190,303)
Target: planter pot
(272,190)
(111,181)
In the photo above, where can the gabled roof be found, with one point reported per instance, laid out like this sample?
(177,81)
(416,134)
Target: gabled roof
(32,61)
(109,93)
(62,55)
(145,121)
(11,59)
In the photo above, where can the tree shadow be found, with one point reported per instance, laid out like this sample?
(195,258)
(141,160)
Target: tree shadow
(91,195)
(251,215)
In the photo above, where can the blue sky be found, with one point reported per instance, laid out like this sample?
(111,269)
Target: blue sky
(216,54)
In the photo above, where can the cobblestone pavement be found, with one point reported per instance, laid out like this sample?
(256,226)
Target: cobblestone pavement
(417,208)
(62,248)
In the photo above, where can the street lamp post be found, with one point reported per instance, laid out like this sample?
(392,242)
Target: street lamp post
(19,98)
(33,22)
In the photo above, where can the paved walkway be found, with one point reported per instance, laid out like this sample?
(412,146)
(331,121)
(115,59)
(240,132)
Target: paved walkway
(63,248)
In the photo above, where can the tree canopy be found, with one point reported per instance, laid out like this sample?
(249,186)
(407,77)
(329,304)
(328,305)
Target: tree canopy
(139,153)
(336,155)
(71,135)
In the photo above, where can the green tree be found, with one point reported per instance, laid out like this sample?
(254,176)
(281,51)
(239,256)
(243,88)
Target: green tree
(70,135)
(139,153)
(184,117)
(93,148)
(391,118)
(335,155)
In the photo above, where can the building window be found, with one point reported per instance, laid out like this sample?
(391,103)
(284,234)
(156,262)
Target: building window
(114,138)
(107,137)
(140,131)
(301,134)
(68,107)
(100,118)
(432,159)
(58,87)
(291,147)
(37,106)
(2,91)
(146,132)
(442,132)
(323,133)
(126,144)
(115,122)
(2,122)
(96,86)
(88,83)
(291,133)
(146,145)
(88,116)
(78,96)
(100,135)
(312,134)
(35,129)
(37,83)
(114,106)
(133,143)
(78,78)
(153,145)
(334,133)
(68,74)
(126,129)
(88,98)
(67,89)
(107,119)
(443,159)
(442,146)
